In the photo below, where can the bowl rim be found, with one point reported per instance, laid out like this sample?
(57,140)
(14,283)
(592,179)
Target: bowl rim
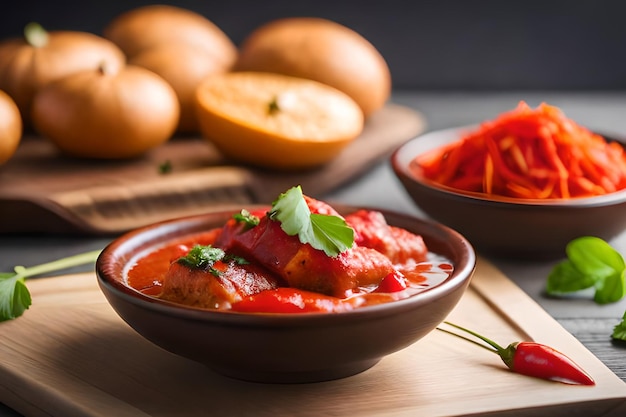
(460,277)
(402,157)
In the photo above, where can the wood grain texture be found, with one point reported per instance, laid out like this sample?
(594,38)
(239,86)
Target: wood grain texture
(70,355)
(594,333)
(43,191)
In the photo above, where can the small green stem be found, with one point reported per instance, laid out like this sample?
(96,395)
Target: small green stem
(481,337)
(35,35)
(468,339)
(273,106)
(69,262)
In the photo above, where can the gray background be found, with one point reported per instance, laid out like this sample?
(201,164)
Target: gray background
(433,45)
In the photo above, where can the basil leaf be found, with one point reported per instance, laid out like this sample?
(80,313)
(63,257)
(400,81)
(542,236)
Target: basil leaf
(597,260)
(610,289)
(594,257)
(327,233)
(565,278)
(591,262)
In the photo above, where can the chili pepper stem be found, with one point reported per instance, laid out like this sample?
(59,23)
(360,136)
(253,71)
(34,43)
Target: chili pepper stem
(505,353)
(490,342)
(468,339)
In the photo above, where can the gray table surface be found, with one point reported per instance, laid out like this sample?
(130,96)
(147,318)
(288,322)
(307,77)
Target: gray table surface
(603,111)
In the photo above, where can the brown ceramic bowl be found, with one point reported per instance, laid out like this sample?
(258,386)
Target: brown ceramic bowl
(282,348)
(507,227)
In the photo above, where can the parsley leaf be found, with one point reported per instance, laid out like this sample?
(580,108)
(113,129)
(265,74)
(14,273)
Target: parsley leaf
(14,295)
(248,219)
(591,262)
(327,233)
(165,167)
(204,257)
(619,331)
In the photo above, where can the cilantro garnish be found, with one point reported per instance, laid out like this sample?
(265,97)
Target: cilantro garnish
(273,106)
(205,257)
(330,234)
(248,219)
(619,331)
(165,167)
(14,295)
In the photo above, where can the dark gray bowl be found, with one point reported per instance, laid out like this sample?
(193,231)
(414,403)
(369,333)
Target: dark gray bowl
(507,227)
(282,348)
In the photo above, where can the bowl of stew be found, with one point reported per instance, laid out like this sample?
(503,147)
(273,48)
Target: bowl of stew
(269,308)
(515,205)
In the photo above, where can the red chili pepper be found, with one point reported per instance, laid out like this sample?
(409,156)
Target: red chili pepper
(392,282)
(534,359)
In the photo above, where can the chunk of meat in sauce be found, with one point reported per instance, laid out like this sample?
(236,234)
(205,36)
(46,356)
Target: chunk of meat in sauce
(201,288)
(306,268)
(399,245)
(312,270)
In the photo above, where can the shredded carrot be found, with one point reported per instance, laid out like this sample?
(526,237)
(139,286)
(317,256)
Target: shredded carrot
(529,153)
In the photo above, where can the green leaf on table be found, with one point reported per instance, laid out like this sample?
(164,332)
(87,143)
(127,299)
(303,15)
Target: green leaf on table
(594,256)
(591,262)
(610,289)
(619,331)
(328,233)
(566,278)
(14,296)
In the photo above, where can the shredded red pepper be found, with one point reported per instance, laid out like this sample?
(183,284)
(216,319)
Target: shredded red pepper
(529,153)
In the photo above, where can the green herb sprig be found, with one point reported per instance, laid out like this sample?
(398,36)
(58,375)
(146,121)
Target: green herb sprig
(14,294)
(327,233)
(248,219)
(619,331)
(591,263)
(205,256)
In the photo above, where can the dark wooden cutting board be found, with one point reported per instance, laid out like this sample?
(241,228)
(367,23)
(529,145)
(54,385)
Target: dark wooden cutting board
(43,191)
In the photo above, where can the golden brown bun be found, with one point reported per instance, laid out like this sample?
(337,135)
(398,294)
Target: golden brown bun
(183,67)
(145,27)
(320,50)
(10,127)
(26,68)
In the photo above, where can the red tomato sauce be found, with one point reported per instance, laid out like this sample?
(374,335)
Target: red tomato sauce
(147,273)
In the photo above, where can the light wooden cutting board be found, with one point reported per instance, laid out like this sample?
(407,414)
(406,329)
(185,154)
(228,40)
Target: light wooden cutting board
(70,355)
(44,192)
